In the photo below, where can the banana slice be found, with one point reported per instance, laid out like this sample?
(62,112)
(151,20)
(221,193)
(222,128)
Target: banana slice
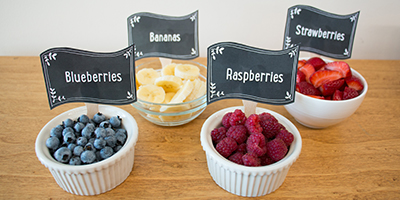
(147,76)
(180,96)
(169,70)
(174,109)
(151,93)
(187,71)
(169,83)
(168,97)
(199,89)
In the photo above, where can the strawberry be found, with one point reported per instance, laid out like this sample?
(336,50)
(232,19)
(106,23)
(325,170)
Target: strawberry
(308,70)
(300,63)
(349,93)
(339,66)
(337,96)
(317,62)
(306,88)
(317,97)
(330,87)
(323,76)
(300,76)
(355,83)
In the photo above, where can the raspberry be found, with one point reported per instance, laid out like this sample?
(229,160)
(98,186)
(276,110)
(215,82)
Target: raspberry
(266,160)
(225,120)
(286,136)
(238,133)
(250,159)
(226,147)
(237,118)
(276,149)
(256,144)
(237,158)
(218,134)
(242,148)
(271,128)
(267,117)
(253,124)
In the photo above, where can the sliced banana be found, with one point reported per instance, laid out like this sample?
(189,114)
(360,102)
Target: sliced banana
(169,69)
(199,89)
(174,109)
(147,76)
(180,96)
(187,71)
(169,83)
(151,93)
(168,97)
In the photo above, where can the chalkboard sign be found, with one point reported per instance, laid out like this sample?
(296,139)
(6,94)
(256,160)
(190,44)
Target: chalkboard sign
(73,75)
(164,36)
(320,32)
(243,72)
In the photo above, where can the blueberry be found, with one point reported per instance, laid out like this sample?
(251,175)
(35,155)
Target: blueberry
(121,138)
(75,161)
(88,157)
(81,141)
(63,154)
(111,140)
(115,121)
(117,148)
(122,130)
(68,130)
(78,150)
(99,143)
(100,132)
(98,157)
(71,146)
(106,152)
(91,140)
(52,143)
(57,131)
(83,119)
(68,123)
(89,147)
(79,126)
(69,137)
(98,118)
(105,124)
(87,132)
(110,131)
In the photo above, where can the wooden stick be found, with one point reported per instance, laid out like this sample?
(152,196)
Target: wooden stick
(92,109)
(249,107)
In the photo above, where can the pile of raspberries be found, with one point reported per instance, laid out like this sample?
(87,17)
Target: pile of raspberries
(254,141)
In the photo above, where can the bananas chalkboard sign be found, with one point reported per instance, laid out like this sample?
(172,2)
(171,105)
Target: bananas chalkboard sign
(242,72)
(320,32)
(164,36)
(73,75)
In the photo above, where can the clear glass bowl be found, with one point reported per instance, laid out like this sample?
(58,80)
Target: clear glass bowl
(178,113)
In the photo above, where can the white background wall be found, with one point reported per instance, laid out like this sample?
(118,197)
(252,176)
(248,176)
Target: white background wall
(29,27)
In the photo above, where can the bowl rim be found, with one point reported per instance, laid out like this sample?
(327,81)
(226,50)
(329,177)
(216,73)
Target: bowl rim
(46,159)
(288,160)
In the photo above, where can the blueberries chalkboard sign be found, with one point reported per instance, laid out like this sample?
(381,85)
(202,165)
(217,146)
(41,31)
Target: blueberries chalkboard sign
(73,75)
(164,36)
(320,32)
(243,72)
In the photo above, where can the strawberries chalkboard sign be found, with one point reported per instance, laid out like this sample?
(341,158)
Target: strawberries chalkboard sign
(73,75)
(320,32)
(239,71)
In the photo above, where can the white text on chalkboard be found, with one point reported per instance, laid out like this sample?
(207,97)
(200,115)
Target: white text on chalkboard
(71,77)
(165,37)
(330,35)
(250,76)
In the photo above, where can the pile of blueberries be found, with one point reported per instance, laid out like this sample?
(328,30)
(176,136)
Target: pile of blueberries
(85,140)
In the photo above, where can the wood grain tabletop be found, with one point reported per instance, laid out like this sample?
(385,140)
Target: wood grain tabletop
(356,159)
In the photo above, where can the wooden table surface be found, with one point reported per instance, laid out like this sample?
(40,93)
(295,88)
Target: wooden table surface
(356,159)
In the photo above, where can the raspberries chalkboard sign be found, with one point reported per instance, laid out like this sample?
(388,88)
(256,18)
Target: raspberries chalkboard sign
(164,36)
(320,32)
(238,71)
(73,75)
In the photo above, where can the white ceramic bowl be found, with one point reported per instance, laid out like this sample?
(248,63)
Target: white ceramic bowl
(96,178)
(181,113)
(317,113)
(242,180)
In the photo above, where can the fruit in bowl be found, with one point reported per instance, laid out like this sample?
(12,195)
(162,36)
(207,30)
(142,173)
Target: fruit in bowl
(327,92)
(260,163)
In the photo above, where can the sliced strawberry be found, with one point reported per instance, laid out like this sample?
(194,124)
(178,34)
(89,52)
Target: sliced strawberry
(339,66)
(306,88)
(317,62)
(308,70)
(355,83)
(317,96)
(337,96)
(328,97)
(300,76)
(300,63)
(330,87)
(323,76)
(349,93)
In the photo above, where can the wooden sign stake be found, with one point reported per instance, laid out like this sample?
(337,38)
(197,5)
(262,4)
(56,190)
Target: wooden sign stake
(92,109)
(165,61)
(249,107)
